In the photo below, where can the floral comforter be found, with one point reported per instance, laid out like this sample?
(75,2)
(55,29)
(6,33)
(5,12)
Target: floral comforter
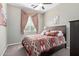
(36,44)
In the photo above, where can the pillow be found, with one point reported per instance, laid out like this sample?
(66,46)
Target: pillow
(51,33)
(54,33)
(60,33)
(44,31)
(47,33)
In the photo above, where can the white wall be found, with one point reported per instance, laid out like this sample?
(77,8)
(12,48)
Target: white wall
(13,24)
(3,37)
(66,13)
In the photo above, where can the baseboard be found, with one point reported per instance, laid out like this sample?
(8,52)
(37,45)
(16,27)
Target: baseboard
(68,47)
(13,44)
(7,46)
(4,51)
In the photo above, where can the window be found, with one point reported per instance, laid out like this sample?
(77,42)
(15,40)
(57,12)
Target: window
(29,28)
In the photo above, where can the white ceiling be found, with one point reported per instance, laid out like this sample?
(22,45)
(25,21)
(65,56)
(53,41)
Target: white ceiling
(47,6)
(38,9)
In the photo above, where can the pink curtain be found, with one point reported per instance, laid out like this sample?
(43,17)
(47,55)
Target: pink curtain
(35,21)
(24,18)
(2,17)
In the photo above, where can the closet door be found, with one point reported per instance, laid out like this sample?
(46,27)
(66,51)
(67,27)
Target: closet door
(74,38)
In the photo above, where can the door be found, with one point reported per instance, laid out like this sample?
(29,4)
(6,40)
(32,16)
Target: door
(74,38)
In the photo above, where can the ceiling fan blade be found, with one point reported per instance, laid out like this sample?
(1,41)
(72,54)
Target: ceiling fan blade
(43,7)
(35,6)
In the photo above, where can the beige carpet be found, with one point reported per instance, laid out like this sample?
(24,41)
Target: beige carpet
(18,50)
(62,52)
(15,50)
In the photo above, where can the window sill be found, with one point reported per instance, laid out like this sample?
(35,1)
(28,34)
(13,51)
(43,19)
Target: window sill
(29,33)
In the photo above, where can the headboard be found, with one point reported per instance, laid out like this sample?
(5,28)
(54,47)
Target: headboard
(62,28)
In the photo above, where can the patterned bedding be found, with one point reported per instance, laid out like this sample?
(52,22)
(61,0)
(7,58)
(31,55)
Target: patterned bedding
(36,44)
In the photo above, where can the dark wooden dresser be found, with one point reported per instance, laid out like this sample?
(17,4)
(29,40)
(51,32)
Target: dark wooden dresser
(74,38)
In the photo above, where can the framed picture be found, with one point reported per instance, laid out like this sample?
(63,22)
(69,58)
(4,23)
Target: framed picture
(2,16)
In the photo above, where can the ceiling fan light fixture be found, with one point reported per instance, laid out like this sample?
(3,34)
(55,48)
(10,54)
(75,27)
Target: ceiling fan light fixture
(41,6)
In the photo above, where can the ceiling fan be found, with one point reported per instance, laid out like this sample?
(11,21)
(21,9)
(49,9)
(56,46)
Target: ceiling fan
(42,5)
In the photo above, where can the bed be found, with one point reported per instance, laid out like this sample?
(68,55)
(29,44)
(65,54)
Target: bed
(45,44)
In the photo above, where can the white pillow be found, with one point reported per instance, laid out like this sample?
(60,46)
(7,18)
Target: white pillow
(60,33)
(42,33)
